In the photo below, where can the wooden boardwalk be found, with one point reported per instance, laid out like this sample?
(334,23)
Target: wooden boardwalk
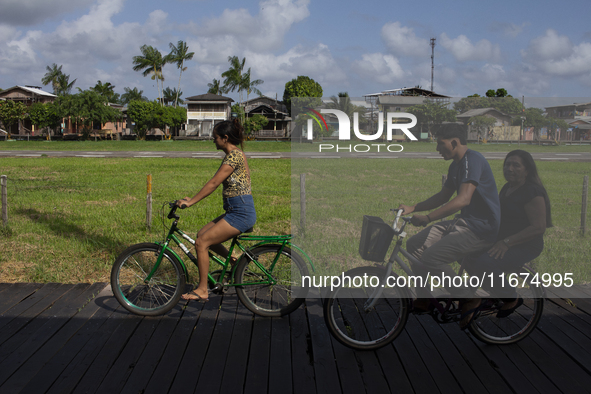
(57,338)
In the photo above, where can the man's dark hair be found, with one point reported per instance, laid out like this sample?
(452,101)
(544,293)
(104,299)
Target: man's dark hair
(448,131)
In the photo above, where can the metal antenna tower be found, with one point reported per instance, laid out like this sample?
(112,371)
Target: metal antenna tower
(432,60)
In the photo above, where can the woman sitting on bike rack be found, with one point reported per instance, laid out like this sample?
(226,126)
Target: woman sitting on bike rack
(240,214)
(525,215)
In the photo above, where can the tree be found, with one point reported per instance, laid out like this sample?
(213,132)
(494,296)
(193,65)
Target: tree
(302,86)
(233,76)
(178,55)
(343,103)
(431,114)
(215,87)
(250,86)
(255,123)
(107,91)
(172,96)
(12,112)
(51,76)
(149,115)
(45,115)
(483,126)
(498,93)
(132,94)
(64,85)
(88,108)
(150,62)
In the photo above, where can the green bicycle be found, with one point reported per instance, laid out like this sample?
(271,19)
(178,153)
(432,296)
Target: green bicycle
(149,278)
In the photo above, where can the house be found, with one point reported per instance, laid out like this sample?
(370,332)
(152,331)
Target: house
(500,129)
(204,112)
(578,116)
(274,111)
(27,95)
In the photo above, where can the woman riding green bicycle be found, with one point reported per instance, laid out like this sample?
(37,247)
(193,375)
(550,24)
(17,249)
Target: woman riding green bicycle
(240,216)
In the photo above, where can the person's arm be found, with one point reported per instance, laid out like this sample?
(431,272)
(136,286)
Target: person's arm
(462,199)
(223,172)
(535,209)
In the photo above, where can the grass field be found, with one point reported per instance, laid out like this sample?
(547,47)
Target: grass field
(69,218)
(256,146)
(340,192)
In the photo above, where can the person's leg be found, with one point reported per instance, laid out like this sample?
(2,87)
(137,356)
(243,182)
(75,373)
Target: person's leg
(211,234)
(416,245)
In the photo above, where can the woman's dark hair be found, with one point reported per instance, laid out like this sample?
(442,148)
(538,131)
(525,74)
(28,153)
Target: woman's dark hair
(532,176)
(233,130)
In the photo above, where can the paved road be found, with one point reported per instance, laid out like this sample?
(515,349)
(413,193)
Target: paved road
(580,156)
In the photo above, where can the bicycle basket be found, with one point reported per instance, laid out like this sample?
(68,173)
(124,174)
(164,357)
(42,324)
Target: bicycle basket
(376,237)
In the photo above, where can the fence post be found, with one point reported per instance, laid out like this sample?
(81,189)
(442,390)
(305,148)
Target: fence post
(303,203)
(584,203)
(3,182)
(149,203)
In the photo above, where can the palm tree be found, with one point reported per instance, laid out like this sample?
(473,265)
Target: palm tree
(233,76)
(106,90)
(215,88)
(151,62)
(51,76)
(179,54)
(250,86)
(64,86)
(131,95)
(172,96)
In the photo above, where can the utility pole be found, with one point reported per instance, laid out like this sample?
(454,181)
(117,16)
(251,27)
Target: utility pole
(432,60)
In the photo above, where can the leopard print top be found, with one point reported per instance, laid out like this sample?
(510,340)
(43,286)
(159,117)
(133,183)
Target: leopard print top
(238,183)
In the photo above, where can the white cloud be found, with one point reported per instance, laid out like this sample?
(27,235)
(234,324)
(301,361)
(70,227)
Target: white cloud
(549,46)
(402,41)
(263,32)
(464,50)
(384,69)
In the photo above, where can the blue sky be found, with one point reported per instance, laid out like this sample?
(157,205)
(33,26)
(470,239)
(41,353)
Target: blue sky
(530,48)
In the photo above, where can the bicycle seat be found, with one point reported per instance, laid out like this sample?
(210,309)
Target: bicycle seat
(249,230)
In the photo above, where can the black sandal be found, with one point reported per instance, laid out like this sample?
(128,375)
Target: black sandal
(506,312)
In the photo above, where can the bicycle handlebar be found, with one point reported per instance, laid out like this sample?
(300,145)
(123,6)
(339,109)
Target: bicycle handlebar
(173,207)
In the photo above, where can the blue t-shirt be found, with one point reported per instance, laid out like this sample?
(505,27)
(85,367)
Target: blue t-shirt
(483,214)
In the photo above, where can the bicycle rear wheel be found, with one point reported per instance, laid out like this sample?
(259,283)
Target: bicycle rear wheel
(359,320)
(513,328)
(147,297)
(257,292)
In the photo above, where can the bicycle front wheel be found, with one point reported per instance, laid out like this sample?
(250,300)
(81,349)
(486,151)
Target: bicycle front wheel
(513,328)
(135,292)
(359,317)
(270,283)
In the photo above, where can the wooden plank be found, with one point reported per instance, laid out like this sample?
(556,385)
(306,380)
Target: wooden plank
(431,357)
(257,375)
(127,325)
(237,362)
(16,293)
(34,353)
(24,311)
(212,371)
(149,359)
(24,344)
(280,377)
(162,378)
(194,357)
(301,353)
(325,367)
(129,357)
(99,352)
(416,370)
(467,378)
(39,372)
(536,349)
(581,322)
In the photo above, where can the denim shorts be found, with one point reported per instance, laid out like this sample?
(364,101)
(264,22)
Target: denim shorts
(240,212)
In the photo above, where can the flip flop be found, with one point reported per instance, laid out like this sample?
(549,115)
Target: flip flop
(472,313)
(506,312)
(192,296)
